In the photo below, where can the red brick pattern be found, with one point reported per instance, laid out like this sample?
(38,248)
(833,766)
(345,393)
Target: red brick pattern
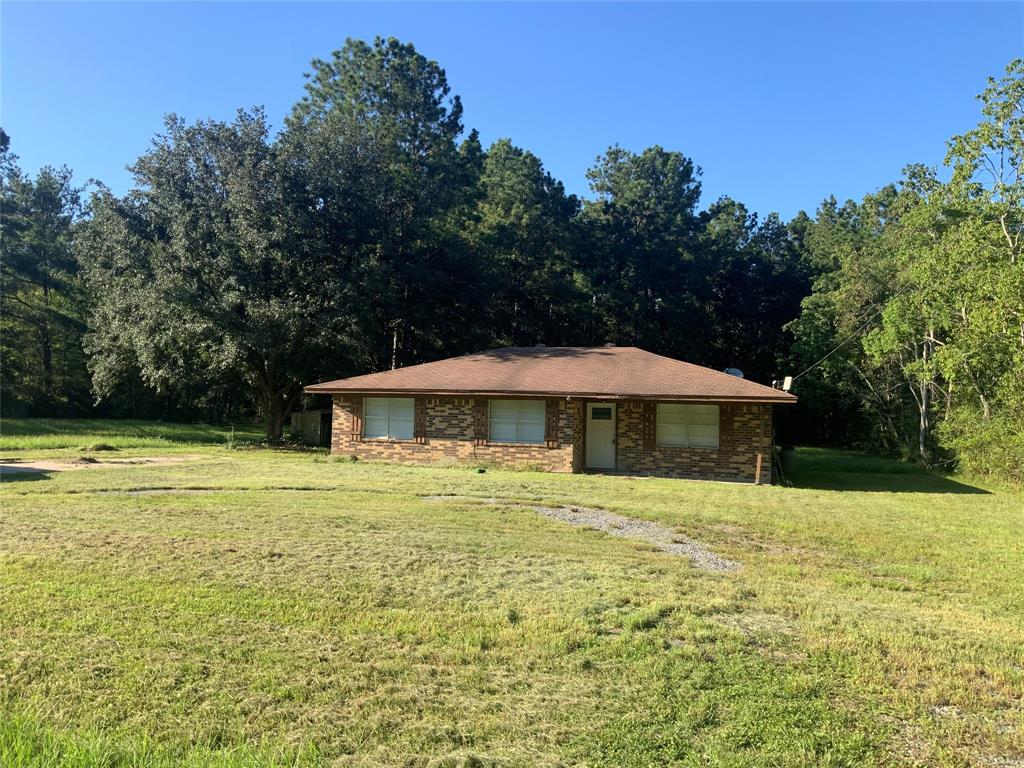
(551,412)
(452,432)
(578,435)
(743,432)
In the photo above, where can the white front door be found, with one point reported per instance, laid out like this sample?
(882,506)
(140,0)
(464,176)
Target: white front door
(601,435)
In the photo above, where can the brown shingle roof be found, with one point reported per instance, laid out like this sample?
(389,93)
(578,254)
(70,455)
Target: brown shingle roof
(608,372)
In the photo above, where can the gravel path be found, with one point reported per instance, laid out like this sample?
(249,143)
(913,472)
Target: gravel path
(661,536)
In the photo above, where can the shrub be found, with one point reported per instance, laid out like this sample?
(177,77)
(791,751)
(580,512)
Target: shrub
(992,447)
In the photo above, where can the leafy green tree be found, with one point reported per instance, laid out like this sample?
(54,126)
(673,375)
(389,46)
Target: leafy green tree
(650,285)
(845,396)
(976,272)
(940,333)
(41,316)
(912,325)
(379,129)
(758,278)
(524,235)
(958,320)
(334,248)
(199,275)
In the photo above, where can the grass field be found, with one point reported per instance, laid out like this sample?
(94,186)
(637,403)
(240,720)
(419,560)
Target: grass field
(257,608)
(61,435)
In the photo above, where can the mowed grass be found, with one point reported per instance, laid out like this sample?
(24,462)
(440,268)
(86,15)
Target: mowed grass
(257,608)
(61,435)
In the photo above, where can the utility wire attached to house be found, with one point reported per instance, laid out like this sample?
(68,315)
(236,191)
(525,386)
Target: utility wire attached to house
(844,342)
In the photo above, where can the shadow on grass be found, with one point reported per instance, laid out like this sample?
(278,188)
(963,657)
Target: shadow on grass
(15,474)
(847,471)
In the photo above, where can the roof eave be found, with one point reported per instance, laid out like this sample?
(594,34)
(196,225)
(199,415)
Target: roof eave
(327,389)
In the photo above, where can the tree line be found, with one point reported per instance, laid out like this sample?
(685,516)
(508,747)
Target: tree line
(917,312)
(373,231)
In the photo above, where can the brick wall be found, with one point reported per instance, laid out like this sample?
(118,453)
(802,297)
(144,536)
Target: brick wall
(451,434)
(578,452)
(743,432)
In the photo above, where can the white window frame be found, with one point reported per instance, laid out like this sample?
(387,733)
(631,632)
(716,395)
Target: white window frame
(688,425)
(398,414)
(526,428)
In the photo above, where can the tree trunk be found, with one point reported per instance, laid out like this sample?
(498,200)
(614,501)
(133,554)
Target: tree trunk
(275,420)
(924,425)
(277,406)
(46,346)
(46,357)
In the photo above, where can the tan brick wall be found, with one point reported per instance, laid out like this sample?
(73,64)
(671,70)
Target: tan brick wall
(744,431)
(578,452)
(450,436)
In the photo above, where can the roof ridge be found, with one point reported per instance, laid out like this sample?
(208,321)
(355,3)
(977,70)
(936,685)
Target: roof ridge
(592,372)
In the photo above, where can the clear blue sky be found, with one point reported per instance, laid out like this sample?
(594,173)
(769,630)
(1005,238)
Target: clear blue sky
(780,104)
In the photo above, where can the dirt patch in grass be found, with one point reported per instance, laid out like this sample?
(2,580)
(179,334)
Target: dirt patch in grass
(164,490)
(752,623)
(17,466)
(663,538)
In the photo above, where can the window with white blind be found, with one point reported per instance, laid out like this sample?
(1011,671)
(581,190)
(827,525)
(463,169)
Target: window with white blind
(388,418)
(687,426)
(516,421)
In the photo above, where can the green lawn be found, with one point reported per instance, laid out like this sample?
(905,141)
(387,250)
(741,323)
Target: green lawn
(282,608)
(61,435)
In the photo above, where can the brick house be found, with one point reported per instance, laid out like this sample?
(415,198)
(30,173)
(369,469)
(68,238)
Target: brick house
(562,409)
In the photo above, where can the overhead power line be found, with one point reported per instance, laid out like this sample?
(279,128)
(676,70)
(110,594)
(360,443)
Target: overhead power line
(848,339)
